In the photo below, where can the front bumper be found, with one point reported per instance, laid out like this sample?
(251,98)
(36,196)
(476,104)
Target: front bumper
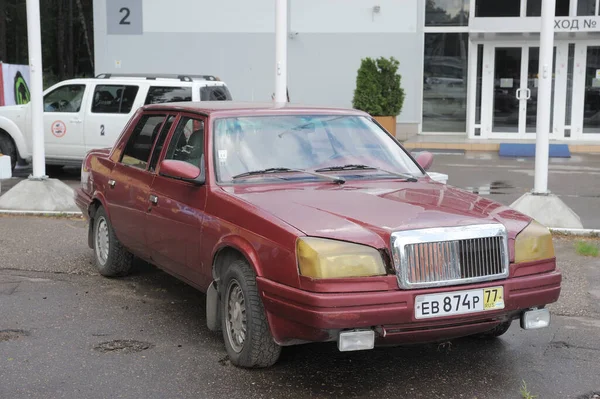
(298,315)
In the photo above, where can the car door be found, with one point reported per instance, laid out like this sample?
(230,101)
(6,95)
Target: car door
(129,184)
(64,109)
(174,224)
(111,107)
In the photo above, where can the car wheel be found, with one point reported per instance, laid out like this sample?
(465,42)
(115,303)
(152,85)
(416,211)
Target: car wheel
(495,332)
(112,259)
(7,147)
(248,340)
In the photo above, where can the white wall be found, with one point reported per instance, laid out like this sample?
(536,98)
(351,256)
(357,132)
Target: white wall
(234,39)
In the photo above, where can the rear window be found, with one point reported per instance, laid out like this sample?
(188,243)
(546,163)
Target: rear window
(215,93)
(160,95)
(113,99)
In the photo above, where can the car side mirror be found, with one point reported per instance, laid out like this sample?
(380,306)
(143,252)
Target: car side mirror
(425,159)
(181,170)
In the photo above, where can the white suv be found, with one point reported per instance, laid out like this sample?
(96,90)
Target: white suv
(85,114)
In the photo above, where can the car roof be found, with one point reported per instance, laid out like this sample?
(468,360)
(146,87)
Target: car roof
(141,80)
(234,108)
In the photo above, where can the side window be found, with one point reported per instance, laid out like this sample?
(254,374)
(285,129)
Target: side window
(164,132)
(138,148)
(215,93)
(159,95)
(64,99)
(187,143)
(113,99)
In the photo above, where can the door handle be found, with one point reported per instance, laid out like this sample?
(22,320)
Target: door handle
(528,96)
(76,120)
(153,199)
(518,94)
(112,183)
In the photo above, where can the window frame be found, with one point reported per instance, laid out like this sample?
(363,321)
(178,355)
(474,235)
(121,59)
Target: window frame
(142,117)
(204,165)
(123,86)
(150,87)
(85,87)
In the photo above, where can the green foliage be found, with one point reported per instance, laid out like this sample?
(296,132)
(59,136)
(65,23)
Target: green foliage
(525,394)
(378,87)
(586,248)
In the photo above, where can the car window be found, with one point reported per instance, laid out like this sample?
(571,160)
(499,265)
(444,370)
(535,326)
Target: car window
(138,148)
(164,132)
(249,143)
(215,93)
(159,94)
(187,143)
(64,99)
(113,99)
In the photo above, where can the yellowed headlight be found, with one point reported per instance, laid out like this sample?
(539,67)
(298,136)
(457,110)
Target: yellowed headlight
(534,243)
(320,258)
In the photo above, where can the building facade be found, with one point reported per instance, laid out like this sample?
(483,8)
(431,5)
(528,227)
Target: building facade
(469,67)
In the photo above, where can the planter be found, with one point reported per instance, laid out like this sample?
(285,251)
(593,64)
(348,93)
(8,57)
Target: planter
(388,123)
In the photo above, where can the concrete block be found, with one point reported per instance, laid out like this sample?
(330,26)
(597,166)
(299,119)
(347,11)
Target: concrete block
(50,195)
(5,167)
(548,210)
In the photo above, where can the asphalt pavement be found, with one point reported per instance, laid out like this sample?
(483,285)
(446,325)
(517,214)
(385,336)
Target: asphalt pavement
(67,332)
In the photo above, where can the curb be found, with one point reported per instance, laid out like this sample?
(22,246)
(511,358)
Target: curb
(576,232)
(40,213)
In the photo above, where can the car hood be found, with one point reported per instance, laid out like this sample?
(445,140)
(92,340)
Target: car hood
(369,212)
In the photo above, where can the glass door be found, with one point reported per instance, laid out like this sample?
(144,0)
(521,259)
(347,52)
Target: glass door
(512,88)
(507,89)
(586,92)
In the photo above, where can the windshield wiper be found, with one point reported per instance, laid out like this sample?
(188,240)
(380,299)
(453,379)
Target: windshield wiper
(406,176)
(335,179)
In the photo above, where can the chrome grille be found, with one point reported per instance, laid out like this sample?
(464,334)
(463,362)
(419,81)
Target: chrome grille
(449,256)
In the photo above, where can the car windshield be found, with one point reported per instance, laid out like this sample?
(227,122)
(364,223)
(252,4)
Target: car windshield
(307,142)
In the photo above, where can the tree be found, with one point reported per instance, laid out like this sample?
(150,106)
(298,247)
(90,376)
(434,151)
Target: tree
(378,87)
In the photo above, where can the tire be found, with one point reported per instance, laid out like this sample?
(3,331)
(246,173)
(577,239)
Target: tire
(256,348)
(53,169)
(115,260)
(495,332)
(7,147)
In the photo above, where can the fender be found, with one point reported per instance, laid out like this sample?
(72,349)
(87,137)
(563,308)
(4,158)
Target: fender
(213,313)
(97,196)
(13,131)
(241,245)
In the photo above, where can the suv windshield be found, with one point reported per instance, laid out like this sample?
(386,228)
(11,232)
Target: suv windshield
(307,142)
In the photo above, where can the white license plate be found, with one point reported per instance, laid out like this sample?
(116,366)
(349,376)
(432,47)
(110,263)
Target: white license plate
(459,302)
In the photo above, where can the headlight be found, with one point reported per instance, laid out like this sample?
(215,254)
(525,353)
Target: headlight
(320,258)
(534,243)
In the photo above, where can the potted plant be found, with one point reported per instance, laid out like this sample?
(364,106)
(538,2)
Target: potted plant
(379,91)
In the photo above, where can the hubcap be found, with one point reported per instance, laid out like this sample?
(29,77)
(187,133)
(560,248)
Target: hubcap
(102,244)
(236,316)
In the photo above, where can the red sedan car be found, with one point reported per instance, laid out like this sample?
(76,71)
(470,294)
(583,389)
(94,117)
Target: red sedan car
(307,224)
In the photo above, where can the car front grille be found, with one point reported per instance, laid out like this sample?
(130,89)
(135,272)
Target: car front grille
(450,256)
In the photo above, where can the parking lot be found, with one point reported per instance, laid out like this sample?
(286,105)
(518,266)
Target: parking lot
(67,332)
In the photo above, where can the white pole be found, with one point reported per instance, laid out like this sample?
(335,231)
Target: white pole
(280,51)
(34,41)
(544,94)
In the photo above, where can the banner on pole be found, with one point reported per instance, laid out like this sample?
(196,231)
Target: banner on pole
(14,84)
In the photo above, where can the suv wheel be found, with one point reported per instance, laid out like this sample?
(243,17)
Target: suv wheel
(7,147)
(112,259)
(248,340)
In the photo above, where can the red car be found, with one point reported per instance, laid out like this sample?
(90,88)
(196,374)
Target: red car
(307,224)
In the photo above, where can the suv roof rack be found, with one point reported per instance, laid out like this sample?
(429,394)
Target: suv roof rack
(183,78)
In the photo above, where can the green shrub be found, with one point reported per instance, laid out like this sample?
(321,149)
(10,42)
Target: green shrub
(378,87)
